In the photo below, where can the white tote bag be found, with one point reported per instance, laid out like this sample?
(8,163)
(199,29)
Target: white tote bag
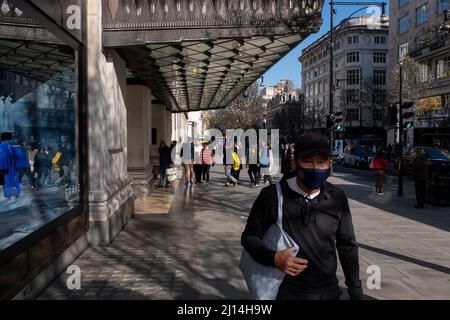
(263,282)
(171,174)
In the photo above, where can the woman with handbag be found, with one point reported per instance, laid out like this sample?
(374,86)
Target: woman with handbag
(378,165)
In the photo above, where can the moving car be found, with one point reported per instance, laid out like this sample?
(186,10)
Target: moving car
(357,156)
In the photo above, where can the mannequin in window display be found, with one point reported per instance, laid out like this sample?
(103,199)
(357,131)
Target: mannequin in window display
(7,121)
(2,112)
(12,160)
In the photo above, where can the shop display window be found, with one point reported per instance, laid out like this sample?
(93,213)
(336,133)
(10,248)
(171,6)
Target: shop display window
(39,134)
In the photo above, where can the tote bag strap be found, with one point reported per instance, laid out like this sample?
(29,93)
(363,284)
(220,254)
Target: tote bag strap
(280,206)
(280,215)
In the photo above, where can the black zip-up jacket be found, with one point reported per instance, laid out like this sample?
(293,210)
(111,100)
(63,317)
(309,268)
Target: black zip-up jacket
(318,227)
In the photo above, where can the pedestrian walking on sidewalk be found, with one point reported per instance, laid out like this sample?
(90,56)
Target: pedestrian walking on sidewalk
(290,168)
(378,165)
(198,162)
(236,168)
(231,181)
(207,160)
(164,163)
(266,165)
(187,156)
(317,217)
(419,168)
(253,168)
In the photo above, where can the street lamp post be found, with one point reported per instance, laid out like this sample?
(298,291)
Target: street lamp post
(400,135)
(331,82)
(360,105)
(383,19)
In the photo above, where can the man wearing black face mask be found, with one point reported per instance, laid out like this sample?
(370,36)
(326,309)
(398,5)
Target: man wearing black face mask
(316,216)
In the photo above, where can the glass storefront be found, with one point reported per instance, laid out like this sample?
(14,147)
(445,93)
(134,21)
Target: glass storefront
(39,143)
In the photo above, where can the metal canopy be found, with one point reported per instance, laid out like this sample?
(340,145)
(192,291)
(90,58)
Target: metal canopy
(195,75)
(201,54)
(45,63)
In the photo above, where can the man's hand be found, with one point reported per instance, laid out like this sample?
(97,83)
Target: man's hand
(289,264)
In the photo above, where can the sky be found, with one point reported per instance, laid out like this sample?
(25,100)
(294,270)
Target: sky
(289,67)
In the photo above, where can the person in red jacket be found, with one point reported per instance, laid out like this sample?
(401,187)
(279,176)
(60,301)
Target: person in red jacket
(379,165)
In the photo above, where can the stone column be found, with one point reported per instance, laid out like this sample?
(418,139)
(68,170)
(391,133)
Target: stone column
(139,138)
(111,203)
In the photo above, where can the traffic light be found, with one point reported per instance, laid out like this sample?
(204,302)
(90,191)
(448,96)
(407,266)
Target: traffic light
(408,115)
(338,121)
(393,114)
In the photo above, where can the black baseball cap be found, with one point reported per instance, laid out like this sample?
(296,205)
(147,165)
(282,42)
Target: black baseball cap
(310,143)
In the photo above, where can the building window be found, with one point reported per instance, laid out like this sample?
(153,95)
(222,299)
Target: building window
(352,39)
(379,96)
(403,24)
(402,3)
(353,57)
(402,51)
(380,40)
(423,73)
(443,67)
(352,114)
(379,57)
(443,5)
(379,77)
(352,96)
(422,14)
(377,114)
(353,76)
(39,136)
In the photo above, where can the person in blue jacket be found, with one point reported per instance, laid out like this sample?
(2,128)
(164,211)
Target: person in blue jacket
(11,160)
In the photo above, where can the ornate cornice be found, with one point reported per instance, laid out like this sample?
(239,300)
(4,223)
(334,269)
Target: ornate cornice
(149,14)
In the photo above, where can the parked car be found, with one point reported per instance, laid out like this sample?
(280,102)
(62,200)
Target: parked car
(358,157)
(338,157)
(437,159)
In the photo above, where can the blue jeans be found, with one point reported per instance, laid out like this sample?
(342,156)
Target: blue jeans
(162,176)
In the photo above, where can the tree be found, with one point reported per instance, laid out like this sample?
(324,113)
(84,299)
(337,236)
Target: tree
(373,98)
(417,81)
(245,112)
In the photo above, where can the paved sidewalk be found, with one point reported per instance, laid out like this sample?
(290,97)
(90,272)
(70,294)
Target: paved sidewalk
(185,244)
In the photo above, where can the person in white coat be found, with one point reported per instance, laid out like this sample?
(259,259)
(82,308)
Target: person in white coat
(266,164)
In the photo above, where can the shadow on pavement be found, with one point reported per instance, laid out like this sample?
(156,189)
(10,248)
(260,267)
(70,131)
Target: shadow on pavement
(422,263)
(437,217)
